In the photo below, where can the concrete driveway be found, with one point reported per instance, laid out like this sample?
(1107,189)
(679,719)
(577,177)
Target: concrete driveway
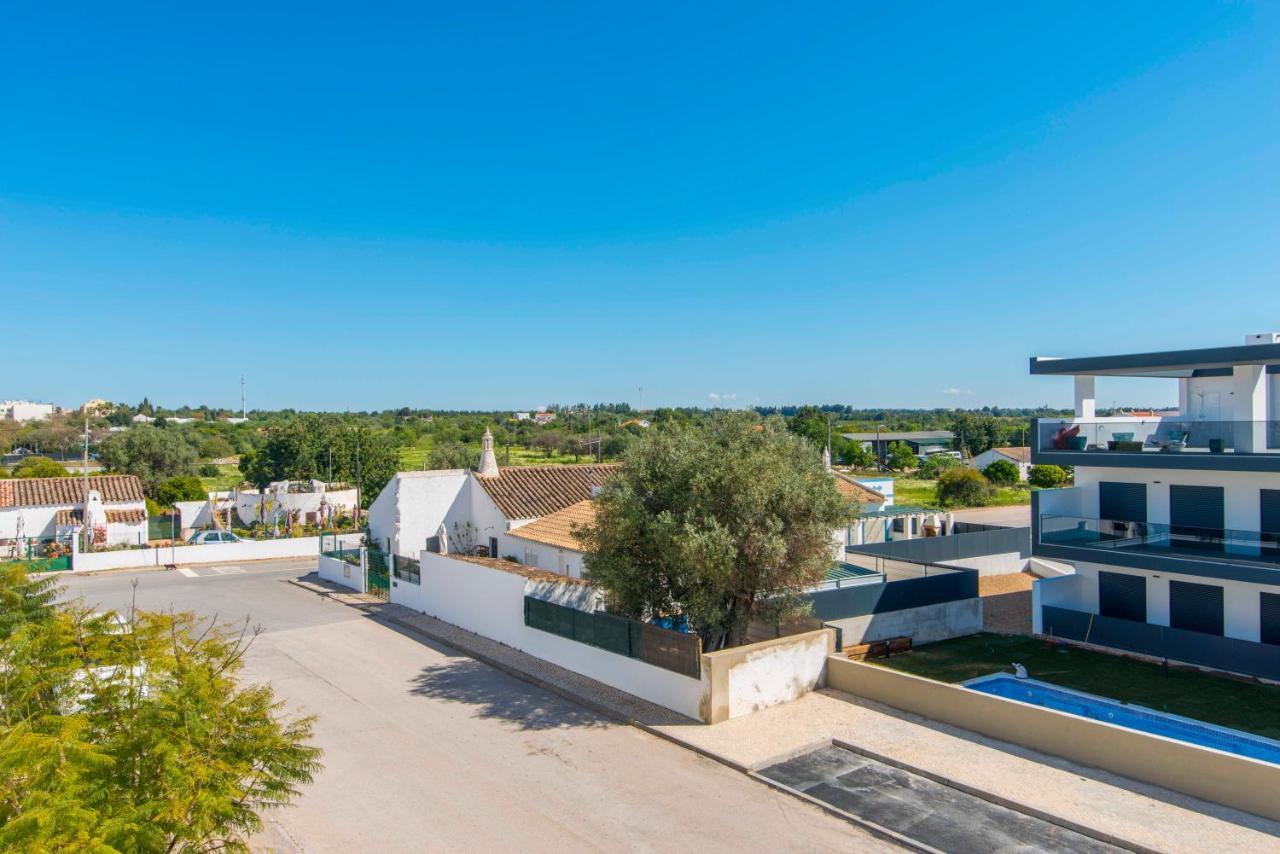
(427,750)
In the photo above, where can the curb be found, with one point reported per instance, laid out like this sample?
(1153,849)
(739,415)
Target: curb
(749,771)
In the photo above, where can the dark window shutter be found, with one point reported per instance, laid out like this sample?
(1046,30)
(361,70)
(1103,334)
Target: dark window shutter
(1196,507)
(1122,596)
(1124,502)
(1270,499)
(1195,607)
(1270,617)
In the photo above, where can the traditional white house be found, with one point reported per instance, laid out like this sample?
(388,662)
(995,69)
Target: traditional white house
(1020,457)
(472,511)
(50,508)
(553,542)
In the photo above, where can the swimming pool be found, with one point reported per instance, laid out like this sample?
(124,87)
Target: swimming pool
(1130,717)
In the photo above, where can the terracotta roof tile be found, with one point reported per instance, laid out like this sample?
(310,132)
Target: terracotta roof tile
(532,573)
(43,491)
(115,517)
(528,492)
(1022,455)
(854,491)
(559,529)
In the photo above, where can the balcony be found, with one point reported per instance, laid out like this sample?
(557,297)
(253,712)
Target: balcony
(1159,442)
(1116,540)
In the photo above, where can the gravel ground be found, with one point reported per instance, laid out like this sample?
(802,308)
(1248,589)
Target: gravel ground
(1006,603)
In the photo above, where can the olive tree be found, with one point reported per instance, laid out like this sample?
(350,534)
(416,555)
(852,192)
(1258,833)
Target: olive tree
(721,523)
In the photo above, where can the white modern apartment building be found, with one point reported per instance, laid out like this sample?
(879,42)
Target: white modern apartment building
(25,410)
(1173,524)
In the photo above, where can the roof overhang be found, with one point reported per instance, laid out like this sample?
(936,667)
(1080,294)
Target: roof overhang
(1210,361)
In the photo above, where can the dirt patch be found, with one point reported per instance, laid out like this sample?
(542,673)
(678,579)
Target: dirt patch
(1006,603)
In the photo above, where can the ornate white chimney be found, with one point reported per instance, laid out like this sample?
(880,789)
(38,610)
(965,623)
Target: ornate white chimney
(826,458)
(488,461)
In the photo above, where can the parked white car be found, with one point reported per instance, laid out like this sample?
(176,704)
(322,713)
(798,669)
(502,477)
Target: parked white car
(201,538)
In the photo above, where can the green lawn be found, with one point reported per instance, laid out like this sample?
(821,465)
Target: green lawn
(1221,700)
(913,492)
(413,458)
(228,477)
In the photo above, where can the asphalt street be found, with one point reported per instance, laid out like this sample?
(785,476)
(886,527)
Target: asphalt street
(428,750)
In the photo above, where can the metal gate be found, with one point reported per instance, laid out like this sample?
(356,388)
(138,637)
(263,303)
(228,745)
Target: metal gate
(378,574)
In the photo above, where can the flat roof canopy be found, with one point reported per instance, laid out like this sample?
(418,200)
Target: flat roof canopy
(1209,361)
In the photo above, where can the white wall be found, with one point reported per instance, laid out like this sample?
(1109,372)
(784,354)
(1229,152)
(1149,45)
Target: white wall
(412,507)
(776,673)
(567,562)
(490,602)
(993,564)
(249,503)
(212,553)
(340,572)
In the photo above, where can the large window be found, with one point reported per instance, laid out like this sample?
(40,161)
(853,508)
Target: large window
(1195,607)
(1122,596)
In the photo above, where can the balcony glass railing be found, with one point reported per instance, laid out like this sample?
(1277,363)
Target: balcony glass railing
(1159,435)
(1183,541)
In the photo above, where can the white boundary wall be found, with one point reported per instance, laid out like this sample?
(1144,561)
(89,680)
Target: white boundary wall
(490,602)
(211,553)
(342,573)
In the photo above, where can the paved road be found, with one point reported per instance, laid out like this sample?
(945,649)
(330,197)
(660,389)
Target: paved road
(426,750)
(938,816)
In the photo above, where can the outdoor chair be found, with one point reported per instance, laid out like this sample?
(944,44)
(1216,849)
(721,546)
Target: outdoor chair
(1172,441)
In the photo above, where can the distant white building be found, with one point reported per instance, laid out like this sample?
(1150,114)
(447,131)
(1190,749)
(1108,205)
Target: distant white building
(142,419)
(25,410)
(521,416)
(1020,457)
(543,417)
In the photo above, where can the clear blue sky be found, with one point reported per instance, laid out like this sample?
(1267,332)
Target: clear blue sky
(460,205)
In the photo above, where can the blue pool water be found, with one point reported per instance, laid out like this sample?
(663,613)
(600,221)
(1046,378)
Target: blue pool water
(1131,717)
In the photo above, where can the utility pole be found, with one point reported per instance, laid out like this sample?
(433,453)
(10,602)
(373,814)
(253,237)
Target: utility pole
(357,513)
(243,414)
(84,515)
(641,409)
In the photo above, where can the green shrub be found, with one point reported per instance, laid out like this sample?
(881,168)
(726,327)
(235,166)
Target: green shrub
(934,466)
(38,466)
(1002,473)
(1047,477)
(182,488)
(210,470)
(963,487)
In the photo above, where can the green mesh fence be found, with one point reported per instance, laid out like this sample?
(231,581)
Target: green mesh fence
(675,651)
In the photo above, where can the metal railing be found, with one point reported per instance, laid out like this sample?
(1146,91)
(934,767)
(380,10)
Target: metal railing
(1158,435)
(1185,541)
(406,569)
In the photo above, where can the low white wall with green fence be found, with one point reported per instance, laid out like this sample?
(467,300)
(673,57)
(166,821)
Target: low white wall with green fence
(344,567)
(490,602)
(245,550)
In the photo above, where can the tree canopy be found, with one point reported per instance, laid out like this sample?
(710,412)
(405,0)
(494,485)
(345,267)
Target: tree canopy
(325,448)
(152,453)
(720,523)
(130,732)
